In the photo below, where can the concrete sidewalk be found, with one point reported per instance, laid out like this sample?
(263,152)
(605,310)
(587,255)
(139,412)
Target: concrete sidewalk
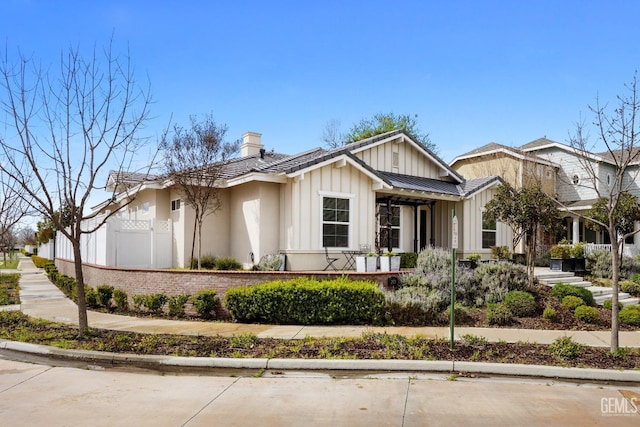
(41,299)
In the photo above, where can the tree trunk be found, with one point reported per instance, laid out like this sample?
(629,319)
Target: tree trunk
(199,243)
(615,269)
(83,323)
(193,243)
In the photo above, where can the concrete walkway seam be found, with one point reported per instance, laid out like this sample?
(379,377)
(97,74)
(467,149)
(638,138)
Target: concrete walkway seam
(329,364)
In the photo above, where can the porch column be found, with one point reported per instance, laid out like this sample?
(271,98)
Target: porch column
(389,226)
(415,228)
(575,235)
(432,237)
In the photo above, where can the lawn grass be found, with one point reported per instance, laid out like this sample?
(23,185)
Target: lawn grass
(9,289)
(11,264)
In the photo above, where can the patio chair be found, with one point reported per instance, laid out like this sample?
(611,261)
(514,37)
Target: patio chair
(330,260)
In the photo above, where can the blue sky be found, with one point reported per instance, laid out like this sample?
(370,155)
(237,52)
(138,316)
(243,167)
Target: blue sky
(473,71)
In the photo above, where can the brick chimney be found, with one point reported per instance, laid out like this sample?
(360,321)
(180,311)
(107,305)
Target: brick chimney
(250,144)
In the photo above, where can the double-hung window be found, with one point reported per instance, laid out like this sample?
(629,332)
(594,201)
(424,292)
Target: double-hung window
(335,222)
(488,231)
(175,205)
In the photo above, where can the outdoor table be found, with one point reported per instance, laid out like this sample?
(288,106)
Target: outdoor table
(350,257)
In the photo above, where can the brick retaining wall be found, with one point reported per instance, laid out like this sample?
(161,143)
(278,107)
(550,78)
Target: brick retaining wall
(136,281)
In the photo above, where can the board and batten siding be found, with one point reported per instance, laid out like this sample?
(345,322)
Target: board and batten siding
(411,161)
(302,213)
(472,226)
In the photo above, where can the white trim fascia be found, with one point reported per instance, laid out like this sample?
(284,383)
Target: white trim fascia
(255,176)
(443,166)
(339,159)
(507,152)
(483,188)
(571,150)
(124,194)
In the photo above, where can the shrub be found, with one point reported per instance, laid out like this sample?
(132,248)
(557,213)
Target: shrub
(608,304)
(498,314)
(630,315)
(434,267)
(176,304)
(90,296)
(270,262)
(520,303)
(227,263)
(561,290)
(105,292)
(207,262)
(121,299)
(586,314)
(206,303)
(408,259)
(550,314)
(413,305)
(153,302)
(410,280)
(307,301)
(39,262)
(561,251)
(571,302)
(599,265)
(631,287)
(495,280)
(565,347)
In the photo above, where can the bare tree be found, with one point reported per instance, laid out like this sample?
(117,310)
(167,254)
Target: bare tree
(13,208)
(618,132)
(70,124)
(331,134)
(194,160)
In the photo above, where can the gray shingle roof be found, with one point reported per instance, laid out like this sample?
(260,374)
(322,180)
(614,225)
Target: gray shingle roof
(537,143)
(430,185)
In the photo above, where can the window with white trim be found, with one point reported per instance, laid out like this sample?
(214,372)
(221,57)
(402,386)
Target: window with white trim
(389,226)
(175,205)
(488,231)
(335,222)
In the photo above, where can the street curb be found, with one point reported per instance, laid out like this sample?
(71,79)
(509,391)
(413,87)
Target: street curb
(506,369)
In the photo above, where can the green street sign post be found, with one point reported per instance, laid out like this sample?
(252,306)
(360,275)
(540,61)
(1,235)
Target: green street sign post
(454,246)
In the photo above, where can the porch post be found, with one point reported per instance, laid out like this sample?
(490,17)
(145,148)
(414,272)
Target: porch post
(432,238)
(415,228)
(575,235)
(389,226)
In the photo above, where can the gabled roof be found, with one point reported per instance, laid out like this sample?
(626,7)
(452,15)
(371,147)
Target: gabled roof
(542,143)
(495,148)
(435,186)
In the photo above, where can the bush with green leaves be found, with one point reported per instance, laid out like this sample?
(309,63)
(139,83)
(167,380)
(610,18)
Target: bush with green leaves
(413,305)
(631,287)
(227,263)
(39,262)
(561,290)
(176,304)
(586,314)
(608,304)
(571,302)
(495,280)
(105,292)
(630,315)
(565,347)
(90,296)
(550,314)
(152,302)
(206,303)
(408,259)
(270,262)
(307,301)
(121,299)
(9,288)
(207,262)
(498,314)
(521,303)
(433,268)
(599,265)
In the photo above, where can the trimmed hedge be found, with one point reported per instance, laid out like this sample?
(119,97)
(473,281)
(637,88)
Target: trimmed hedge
(561,290)
(307,301)
(520,303)
(630,315)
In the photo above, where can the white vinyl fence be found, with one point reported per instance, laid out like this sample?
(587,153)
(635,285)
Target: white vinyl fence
(629,250)
(123,243)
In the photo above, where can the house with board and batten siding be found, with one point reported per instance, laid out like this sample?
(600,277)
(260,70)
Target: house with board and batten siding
(385,192)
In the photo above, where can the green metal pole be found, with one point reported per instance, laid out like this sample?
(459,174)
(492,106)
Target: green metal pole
(453,284)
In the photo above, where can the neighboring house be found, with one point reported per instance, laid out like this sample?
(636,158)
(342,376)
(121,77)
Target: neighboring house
(387,191)
(516,167)
(572,179)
